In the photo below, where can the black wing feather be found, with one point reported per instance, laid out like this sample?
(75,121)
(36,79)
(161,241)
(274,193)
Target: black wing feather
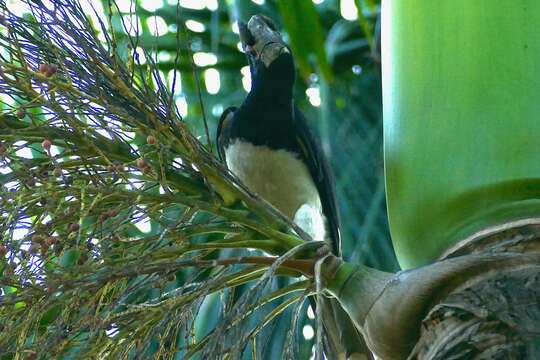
(223,132)
(322,174)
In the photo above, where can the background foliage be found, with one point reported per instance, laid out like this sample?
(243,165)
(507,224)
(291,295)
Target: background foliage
(335,44)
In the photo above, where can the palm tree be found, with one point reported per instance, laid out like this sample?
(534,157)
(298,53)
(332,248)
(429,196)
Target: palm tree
(124,237)
(462,170)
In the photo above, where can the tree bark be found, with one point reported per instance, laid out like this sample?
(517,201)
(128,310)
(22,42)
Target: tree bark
(481,300)
(496,317)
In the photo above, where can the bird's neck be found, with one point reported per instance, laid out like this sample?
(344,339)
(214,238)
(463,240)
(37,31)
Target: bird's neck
(273,86)
(270,94)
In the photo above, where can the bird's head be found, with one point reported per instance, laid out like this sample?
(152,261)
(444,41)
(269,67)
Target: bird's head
(270,59)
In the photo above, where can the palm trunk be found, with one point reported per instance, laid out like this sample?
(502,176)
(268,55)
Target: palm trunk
(482,298)
(461,103)
(495,316)
(462,157)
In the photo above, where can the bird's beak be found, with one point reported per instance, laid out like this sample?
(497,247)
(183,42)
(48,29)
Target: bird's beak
(260,39)
(245,36)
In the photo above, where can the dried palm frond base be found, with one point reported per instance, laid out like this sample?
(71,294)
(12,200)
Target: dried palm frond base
(497,316)
(481,299)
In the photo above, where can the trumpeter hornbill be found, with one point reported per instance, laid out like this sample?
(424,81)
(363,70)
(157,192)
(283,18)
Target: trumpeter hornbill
(266,143)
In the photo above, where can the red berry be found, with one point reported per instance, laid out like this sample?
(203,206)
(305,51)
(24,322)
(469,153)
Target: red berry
(82,259)
(44,249)
(34,248)
(57,172)
(43,68)
(21,113)
(3,149)
(51,70)
(111,168)
(151,140)
(46,144)
(112,213)
(73,227)
(51,240)
(3,250)
(36,239)
(120,167)
(141,164)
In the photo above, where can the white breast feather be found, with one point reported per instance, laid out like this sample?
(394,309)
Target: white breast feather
(282,179)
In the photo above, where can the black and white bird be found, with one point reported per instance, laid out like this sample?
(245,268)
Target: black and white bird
(267,143)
